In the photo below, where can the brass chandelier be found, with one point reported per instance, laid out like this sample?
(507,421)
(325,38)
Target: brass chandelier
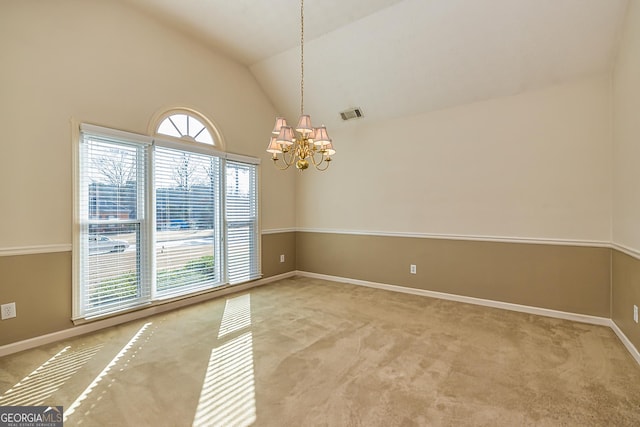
(305,145)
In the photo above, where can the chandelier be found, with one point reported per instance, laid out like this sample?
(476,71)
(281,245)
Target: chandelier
(305,144)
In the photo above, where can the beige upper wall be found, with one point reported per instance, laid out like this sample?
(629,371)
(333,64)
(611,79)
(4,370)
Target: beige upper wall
(626,108)
(531,165)
(534,165)
(104,63)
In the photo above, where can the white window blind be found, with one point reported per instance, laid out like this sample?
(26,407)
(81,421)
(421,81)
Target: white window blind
(159,219)
(187,221)
(242,222)
(112,221)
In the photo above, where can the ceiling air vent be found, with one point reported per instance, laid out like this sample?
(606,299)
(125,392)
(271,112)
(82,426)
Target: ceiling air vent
(353,113)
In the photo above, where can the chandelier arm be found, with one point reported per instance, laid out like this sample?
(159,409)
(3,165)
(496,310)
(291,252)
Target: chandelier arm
(286,160)
(323,160)
(313,157)
(288,157)
(286,165)
(324,168)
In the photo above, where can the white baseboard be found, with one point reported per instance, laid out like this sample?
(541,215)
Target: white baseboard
(628,344)
(582,318)
(134,315)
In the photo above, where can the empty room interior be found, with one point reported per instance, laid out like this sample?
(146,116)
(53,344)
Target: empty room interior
(441,228)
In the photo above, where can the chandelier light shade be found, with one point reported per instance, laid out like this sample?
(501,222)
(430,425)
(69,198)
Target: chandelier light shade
(285,136)
(280,121)
(274,147)
(304,145)
(321,137)
(329,149)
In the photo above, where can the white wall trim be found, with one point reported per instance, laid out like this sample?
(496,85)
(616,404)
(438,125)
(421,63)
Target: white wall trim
(134,315)
(634,253)
(67,247)
(36,249)
(628,344)
(279,230)
(576,317)
(469,237)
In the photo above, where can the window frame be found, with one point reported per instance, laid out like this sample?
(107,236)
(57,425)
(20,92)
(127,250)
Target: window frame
(148,225)
(253,222)
(219,143)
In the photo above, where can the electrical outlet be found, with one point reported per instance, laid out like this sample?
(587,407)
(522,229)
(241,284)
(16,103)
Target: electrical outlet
(412,269)
(8,310)
(635,313)
(282,258)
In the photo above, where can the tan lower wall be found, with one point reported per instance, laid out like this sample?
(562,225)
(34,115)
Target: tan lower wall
(566,278)
(625,290)
(40,285)
(274,245)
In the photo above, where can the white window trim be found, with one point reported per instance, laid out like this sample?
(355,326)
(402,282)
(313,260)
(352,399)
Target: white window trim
(159,116)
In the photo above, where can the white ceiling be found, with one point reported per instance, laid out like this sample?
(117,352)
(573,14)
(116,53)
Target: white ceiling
(395,58)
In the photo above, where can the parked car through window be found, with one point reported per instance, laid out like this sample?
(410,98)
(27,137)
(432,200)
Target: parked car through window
(99,244)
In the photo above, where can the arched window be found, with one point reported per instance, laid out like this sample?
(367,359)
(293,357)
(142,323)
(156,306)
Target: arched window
(161,215)
(187,125)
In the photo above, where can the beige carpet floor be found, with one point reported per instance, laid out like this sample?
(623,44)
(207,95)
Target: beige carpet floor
(306,352)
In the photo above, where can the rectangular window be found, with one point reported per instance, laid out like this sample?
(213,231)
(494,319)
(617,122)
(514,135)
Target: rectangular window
(242,222)
(157,219)
(112,200)
(187,221)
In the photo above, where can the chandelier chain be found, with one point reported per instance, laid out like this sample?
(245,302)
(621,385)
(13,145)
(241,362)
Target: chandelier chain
(301,57)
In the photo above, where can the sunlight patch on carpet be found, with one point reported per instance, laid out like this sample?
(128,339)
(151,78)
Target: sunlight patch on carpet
(228,392)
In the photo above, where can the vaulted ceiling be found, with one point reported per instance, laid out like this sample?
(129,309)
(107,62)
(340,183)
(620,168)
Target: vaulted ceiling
(395,58)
